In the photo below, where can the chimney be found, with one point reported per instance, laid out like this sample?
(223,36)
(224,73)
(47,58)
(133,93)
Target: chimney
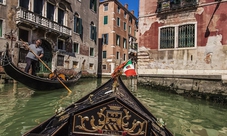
(132,12)
(126,6)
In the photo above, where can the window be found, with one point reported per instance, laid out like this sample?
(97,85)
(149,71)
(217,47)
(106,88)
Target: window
(3,2)
(118,55)
(118,21)
(1,28)
(118,40)
(124,57)
(124,43)
(124,26)
(24,3)
(104,54)
(93,32)
(118,9)
(103,66)
(105,7)
(182,36)
(61,44)
(50,11)
(76,48)
(186,36)
(75,64)
(105,38)
(129,29)
(105,20)
(38,6)
(61,15)
(91,66)
(130,19)
(91,51)
(60,60)
(93,5)
(125,14)
(77,24)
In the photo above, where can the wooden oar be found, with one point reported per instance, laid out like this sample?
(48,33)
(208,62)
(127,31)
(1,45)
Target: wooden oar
(48,68)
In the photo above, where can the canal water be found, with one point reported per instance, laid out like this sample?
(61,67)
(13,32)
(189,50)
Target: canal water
(21,109)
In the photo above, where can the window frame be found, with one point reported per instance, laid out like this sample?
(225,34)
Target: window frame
(93,5)
(105,38)
(77,51)
(77,24)
(176,36)
(125,26)
(118,41)
(63,44)
(49,15)
(93,31)
(91,51)
(124,43)
(105,7)
(104,54)
(105,20)
(1,28)
(118,22)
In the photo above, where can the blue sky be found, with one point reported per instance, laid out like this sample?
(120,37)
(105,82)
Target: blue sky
(132,5)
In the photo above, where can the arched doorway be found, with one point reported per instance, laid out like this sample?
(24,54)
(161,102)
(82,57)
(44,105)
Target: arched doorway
(47,58)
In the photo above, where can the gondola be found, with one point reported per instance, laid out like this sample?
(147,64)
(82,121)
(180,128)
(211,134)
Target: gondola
(109,110)
(34,82)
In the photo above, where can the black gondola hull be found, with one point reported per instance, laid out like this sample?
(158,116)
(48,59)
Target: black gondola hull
(34,82)
(103,112)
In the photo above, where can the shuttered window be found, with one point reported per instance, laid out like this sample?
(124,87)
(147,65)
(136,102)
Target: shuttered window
(105,20)
(93,32)
(93,5)
(77,24)
(1,28)
(103,54)
(105,38)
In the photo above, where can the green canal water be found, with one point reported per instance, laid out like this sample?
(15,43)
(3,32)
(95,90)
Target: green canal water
(21,109)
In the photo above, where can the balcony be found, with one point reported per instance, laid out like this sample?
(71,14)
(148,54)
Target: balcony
(23,15)
(164,6)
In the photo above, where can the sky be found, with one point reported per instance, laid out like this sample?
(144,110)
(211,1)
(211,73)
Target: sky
(132,5)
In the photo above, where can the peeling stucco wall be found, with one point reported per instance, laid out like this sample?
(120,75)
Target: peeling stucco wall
(207,58)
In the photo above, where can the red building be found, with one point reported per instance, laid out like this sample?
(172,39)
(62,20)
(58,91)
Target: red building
(182,37)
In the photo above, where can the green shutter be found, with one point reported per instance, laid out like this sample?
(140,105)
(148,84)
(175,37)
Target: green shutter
(105,20)
(95,33)
(75,20)
(0,28)
(80,26)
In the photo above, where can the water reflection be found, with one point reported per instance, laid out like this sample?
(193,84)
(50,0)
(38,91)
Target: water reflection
(186,117)
(21,108)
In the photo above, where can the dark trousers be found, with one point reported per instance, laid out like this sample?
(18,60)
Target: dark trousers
(31,63)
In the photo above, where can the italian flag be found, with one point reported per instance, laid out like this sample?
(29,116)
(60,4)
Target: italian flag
(129,69)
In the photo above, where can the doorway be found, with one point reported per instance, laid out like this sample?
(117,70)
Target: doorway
(47,57)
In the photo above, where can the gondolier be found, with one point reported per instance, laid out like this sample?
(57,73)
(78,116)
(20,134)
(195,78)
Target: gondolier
(31,59)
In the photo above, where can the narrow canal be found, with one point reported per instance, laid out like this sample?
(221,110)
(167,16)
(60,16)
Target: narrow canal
(21,109)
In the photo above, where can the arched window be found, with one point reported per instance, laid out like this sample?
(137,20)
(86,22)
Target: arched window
(50,10)
(93,31)
(61,13)
(77,23)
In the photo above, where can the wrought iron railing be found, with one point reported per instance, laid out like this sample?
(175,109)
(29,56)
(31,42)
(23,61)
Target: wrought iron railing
(170,5)
(28,16)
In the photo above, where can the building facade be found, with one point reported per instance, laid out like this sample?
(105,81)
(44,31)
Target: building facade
(68,29)
(182,37)
(117,31)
